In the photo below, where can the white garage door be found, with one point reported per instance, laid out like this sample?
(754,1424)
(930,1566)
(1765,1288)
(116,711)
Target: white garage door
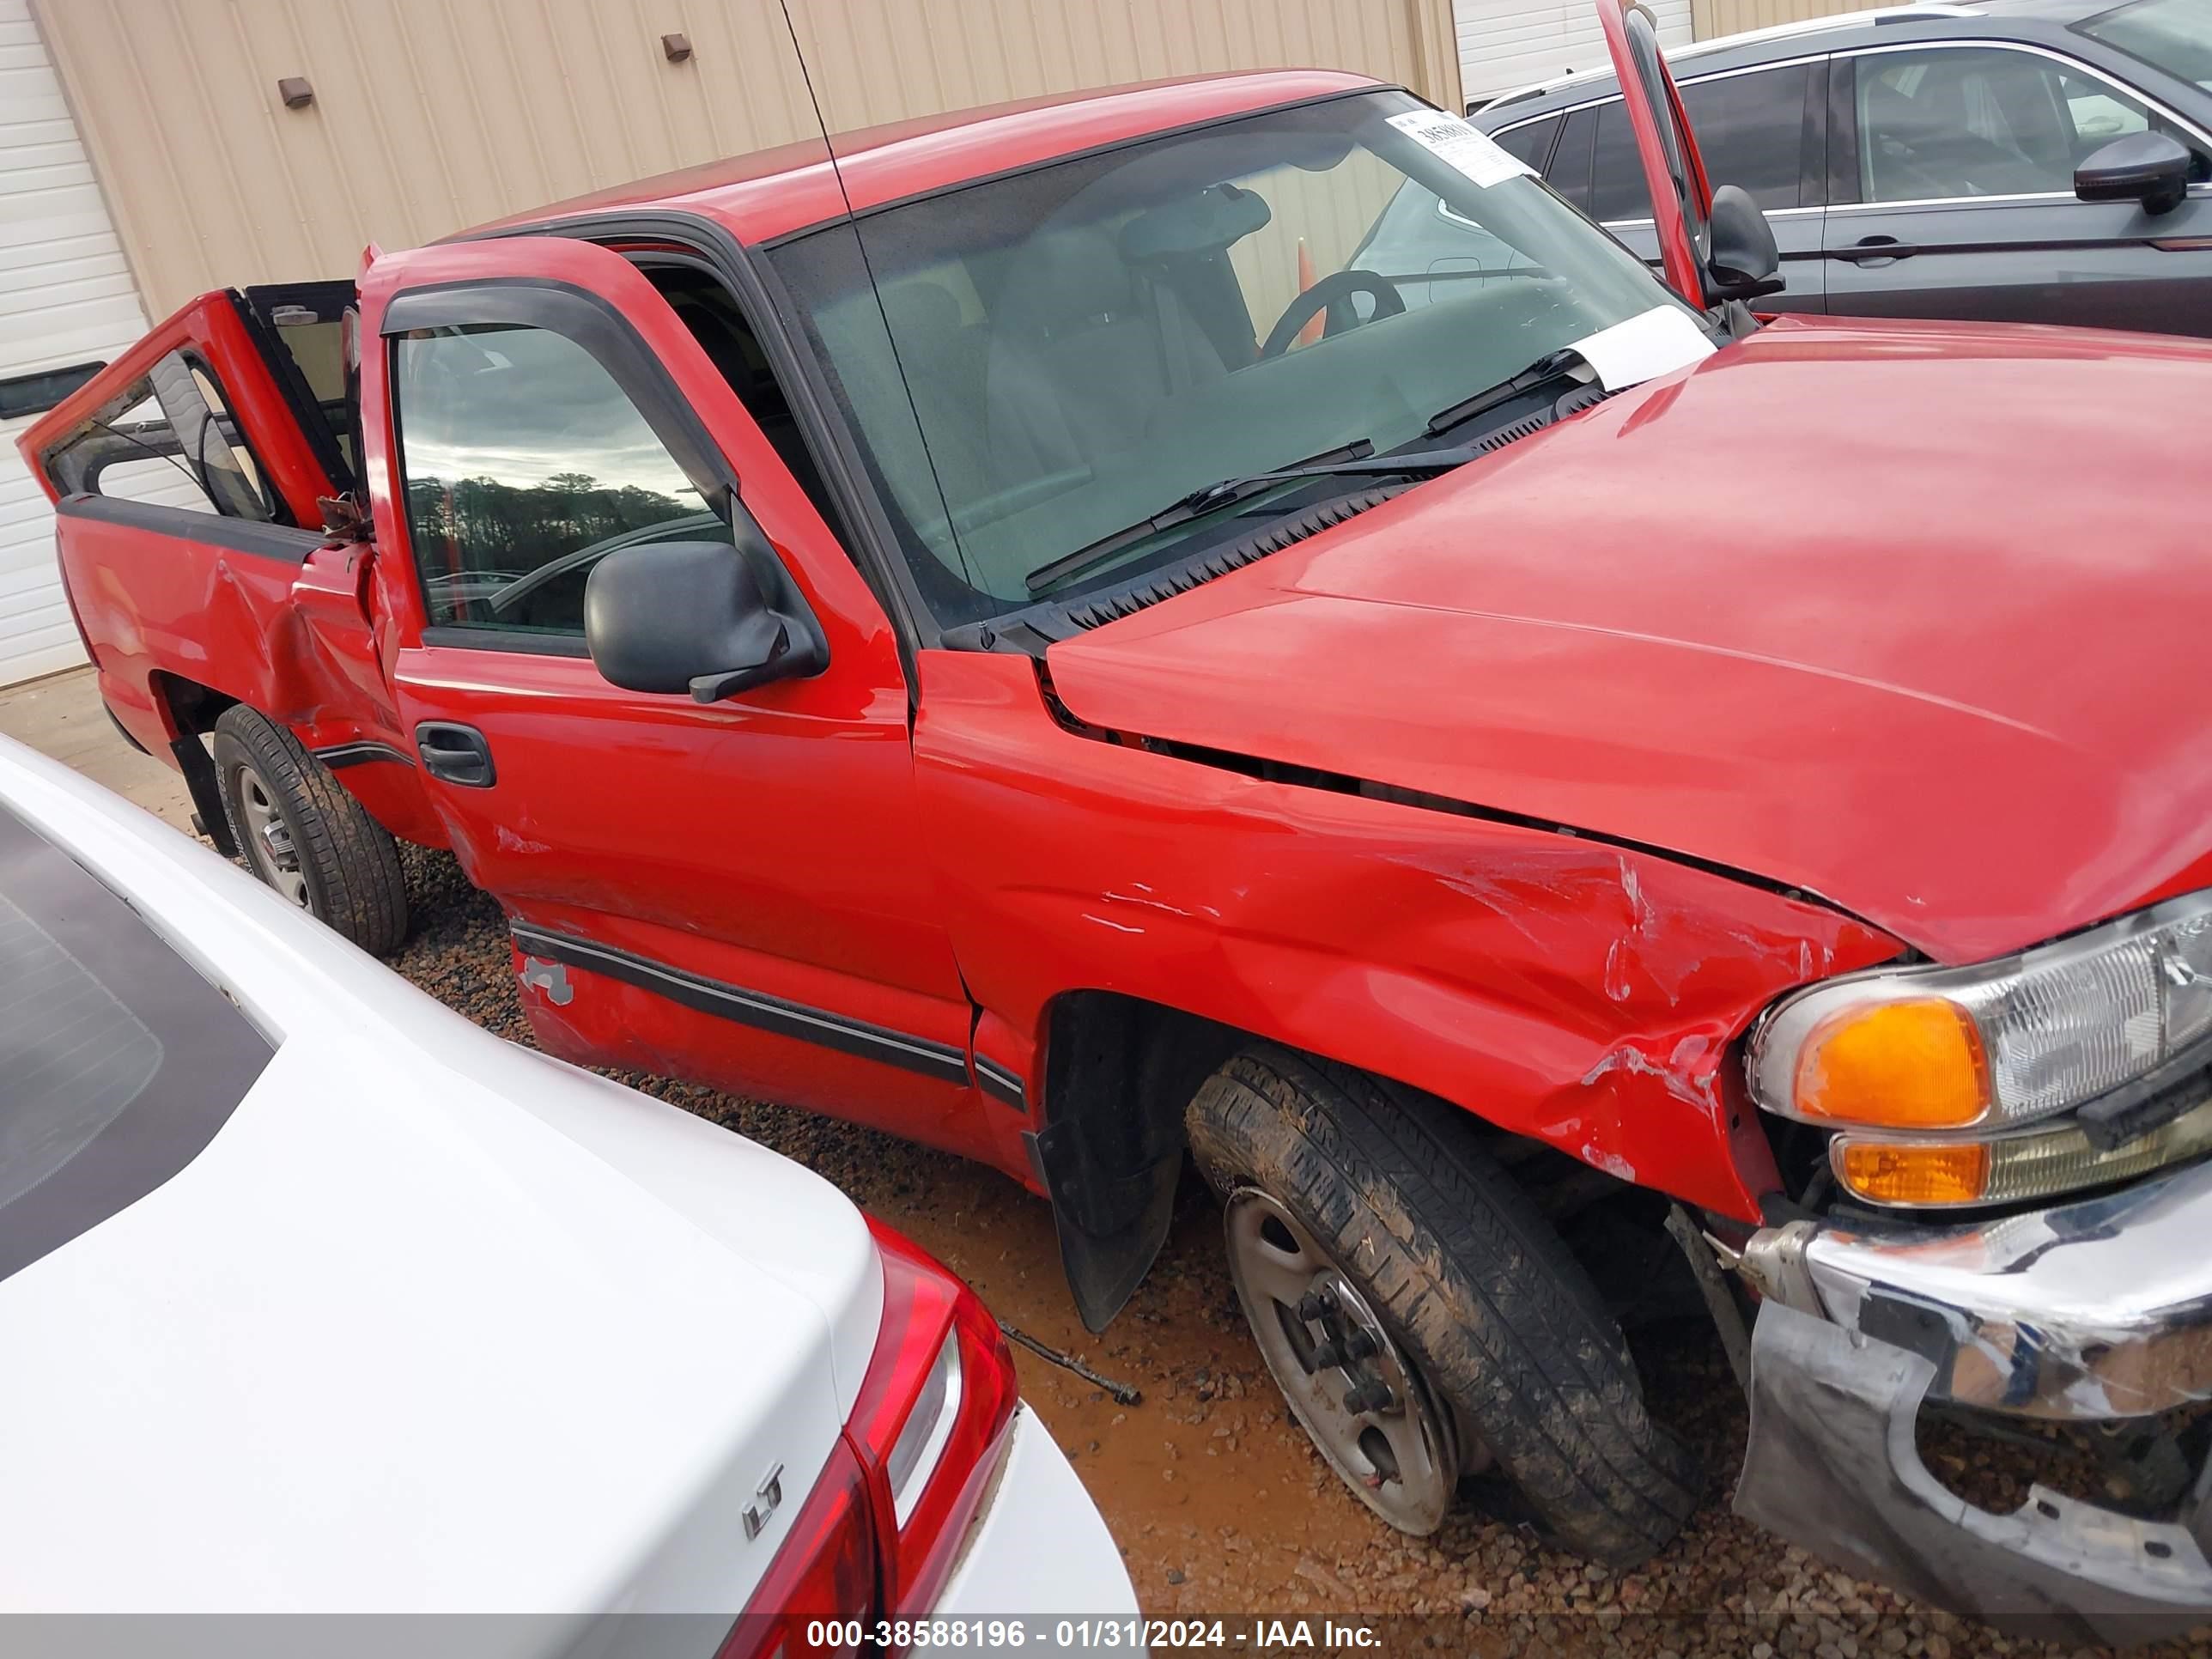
(66,297)
(1504,44)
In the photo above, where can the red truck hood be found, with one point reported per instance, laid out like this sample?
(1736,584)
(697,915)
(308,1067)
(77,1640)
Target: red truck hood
(1909,615)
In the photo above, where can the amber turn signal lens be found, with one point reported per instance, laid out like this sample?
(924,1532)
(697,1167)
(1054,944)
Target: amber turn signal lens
(1911,1065)
(1884,1174)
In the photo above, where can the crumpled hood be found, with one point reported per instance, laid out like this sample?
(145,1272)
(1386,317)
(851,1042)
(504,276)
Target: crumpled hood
(1912,615)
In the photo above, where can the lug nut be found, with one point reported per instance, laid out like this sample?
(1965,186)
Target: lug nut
(1357,1345)
(1327,1355)
(1310,1306)
(1368,1397)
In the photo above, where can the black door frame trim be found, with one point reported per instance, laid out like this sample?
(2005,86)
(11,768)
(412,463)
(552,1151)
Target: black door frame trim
(755,1008)
(268,541)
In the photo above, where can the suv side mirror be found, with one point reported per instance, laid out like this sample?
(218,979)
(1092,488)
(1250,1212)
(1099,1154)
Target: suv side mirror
(705,618)
(2150,167)
(1742,261)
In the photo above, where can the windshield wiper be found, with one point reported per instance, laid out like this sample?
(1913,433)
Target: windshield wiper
(1208,499)
(1352,461)
(1551,367)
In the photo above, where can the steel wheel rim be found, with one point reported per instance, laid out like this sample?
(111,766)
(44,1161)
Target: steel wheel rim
(268,845)
(1402,1460)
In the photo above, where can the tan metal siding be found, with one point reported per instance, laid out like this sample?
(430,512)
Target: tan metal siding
(1714,17)
(434,114)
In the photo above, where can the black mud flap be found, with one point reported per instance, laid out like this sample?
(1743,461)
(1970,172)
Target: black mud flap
(1110,1227)
(200,783)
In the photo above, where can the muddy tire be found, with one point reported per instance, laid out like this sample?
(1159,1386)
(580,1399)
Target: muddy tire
(304,836)
(1473,1286)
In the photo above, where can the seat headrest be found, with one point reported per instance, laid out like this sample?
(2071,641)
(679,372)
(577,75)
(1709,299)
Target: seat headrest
(1066,277)
(922,311)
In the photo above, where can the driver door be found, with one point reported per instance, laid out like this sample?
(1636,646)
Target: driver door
(1674,171)
(732,892)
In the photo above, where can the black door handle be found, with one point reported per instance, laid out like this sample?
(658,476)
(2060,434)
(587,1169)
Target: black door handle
(1877,250)
(455,754)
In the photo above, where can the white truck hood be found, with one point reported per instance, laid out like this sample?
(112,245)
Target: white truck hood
(431,1323)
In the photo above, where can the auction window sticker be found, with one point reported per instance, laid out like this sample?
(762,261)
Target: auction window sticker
(1464,149)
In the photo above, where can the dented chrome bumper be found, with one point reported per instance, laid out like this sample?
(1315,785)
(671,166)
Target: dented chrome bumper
(2095,1310)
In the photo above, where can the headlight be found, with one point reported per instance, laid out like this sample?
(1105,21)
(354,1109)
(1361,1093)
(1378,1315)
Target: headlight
(1997,1045)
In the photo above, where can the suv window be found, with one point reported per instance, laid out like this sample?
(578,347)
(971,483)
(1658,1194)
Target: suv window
(1750,130)
(168,441)
(1985,121)
(1570,171)
(524,464)
(2173,35)
(1531,143)
(1616,189)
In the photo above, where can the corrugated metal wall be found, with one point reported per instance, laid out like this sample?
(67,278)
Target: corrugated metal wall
(430,115)
(1733,16)
(1504,44)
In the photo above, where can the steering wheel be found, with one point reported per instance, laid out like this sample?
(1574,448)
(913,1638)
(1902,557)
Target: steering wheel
(520,587)
(1337,285)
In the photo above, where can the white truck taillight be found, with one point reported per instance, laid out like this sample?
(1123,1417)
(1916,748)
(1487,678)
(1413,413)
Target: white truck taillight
(877,1535)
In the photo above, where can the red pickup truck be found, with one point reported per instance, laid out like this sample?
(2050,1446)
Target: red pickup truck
(1501,758)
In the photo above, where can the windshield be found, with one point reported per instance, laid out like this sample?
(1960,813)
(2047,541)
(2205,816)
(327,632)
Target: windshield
(2174,35)
(1062,352)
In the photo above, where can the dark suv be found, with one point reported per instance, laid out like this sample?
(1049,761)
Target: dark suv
(1921,160)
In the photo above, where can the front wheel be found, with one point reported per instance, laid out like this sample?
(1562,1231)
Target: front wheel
(304,836)
(1422,1318)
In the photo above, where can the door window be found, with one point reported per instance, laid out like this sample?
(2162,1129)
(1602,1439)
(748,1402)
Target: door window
(1531,143)
(524,464)
(1617,187)
(1959,122)
(168,441)
(2173,35)
(1569,172)
(1750,129)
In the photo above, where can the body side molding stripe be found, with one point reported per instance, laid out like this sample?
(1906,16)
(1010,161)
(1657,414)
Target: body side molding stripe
(341,754)
(753,1008)
(1001,1085)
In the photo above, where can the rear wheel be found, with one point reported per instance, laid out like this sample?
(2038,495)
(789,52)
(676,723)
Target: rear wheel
(1424,1320)
(304,836)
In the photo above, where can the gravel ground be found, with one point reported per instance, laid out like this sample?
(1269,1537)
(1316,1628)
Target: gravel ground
(1219,1504)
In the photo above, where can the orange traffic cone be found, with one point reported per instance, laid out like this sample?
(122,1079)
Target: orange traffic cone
(1311,331)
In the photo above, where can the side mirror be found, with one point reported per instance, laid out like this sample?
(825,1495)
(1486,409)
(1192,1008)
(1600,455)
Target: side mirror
(1742,261)
(705,618)
(2150,167)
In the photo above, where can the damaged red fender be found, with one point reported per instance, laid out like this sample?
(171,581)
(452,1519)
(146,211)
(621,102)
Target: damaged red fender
(1580,992)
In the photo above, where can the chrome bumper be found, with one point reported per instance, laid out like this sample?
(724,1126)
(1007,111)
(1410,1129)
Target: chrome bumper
(2087,1311)
(2099,1309)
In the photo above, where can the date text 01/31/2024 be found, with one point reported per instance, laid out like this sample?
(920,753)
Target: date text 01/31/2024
(1127,1634)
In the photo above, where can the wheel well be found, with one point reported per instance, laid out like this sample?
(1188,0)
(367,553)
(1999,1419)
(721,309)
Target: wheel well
(1119,1073)
(193,709)
(192,706)
(1124,1069)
